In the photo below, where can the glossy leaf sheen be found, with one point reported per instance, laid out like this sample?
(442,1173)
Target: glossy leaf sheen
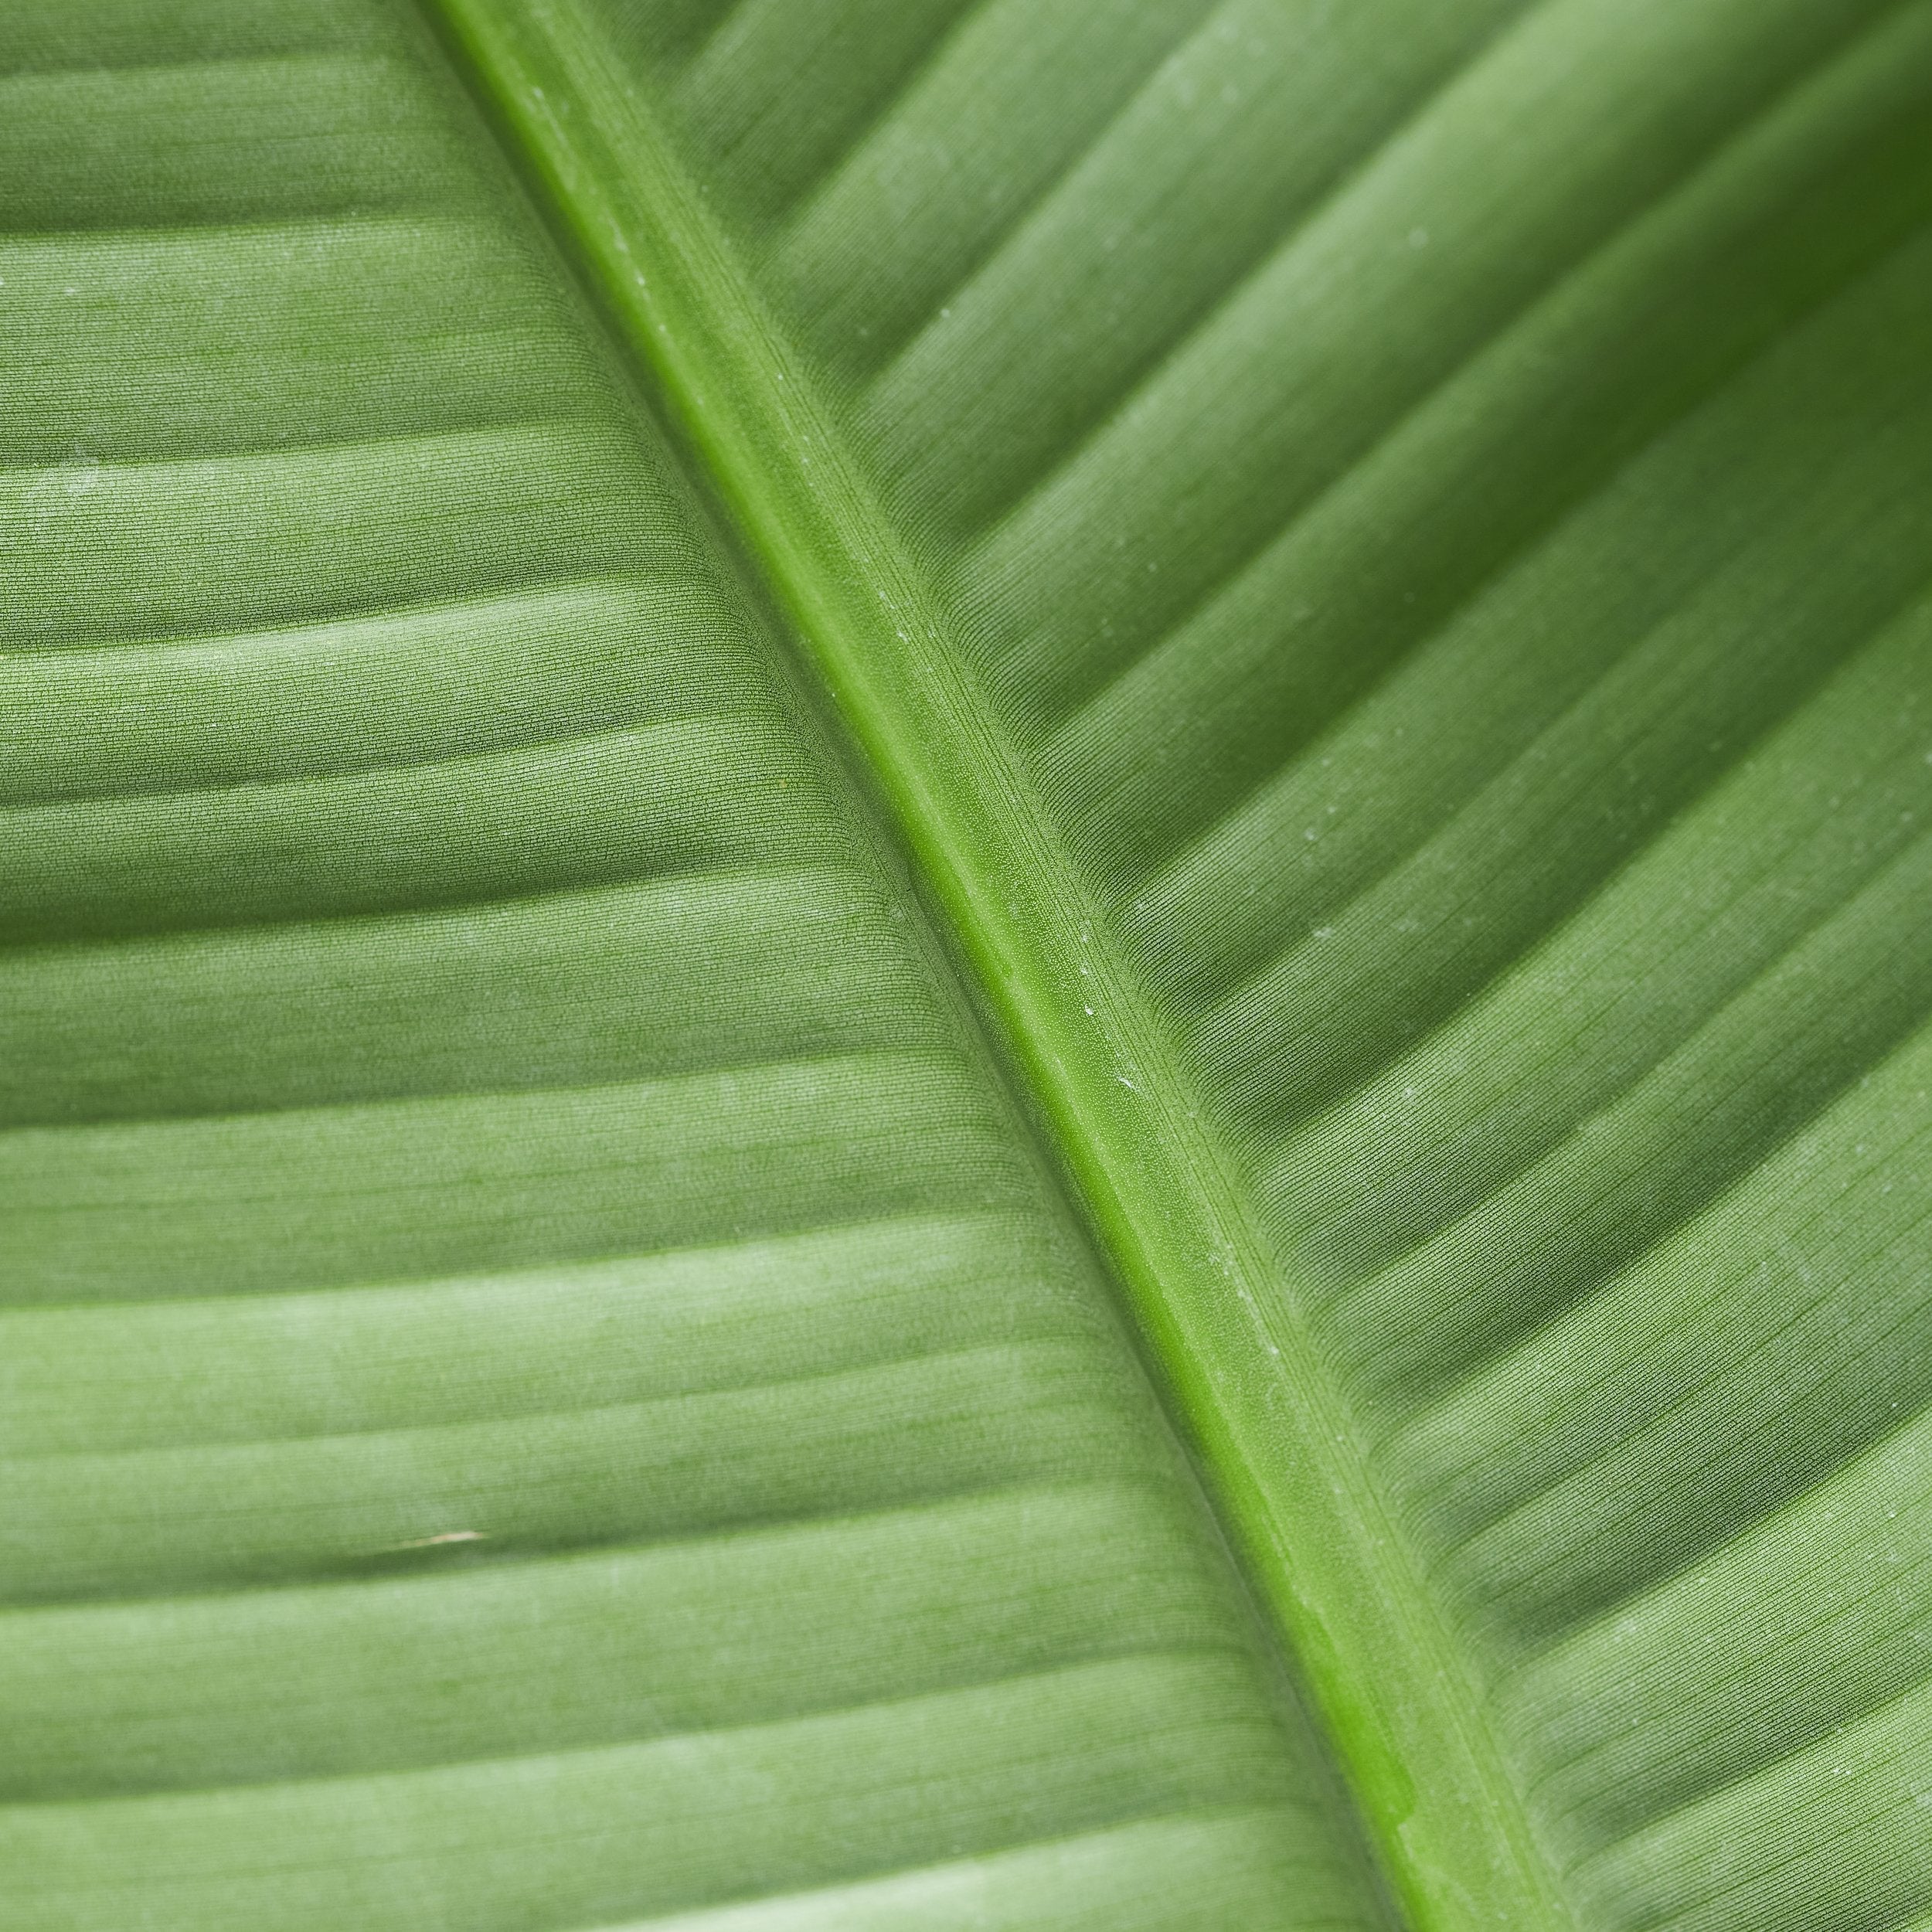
(711,717)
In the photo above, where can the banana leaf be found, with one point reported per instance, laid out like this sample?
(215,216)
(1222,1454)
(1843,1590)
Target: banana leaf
(966,966)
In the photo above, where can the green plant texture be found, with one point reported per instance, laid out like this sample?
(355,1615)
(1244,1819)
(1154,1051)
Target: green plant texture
(966,966)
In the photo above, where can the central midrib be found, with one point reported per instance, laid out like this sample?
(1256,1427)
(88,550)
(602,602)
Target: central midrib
(1278,1451)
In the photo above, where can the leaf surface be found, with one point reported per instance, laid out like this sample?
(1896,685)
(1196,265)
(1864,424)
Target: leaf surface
(1369,562)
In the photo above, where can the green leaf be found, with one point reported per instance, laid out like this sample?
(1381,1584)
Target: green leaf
(967,965)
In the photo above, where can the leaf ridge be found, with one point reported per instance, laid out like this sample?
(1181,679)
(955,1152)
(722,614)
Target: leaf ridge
(672,283)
